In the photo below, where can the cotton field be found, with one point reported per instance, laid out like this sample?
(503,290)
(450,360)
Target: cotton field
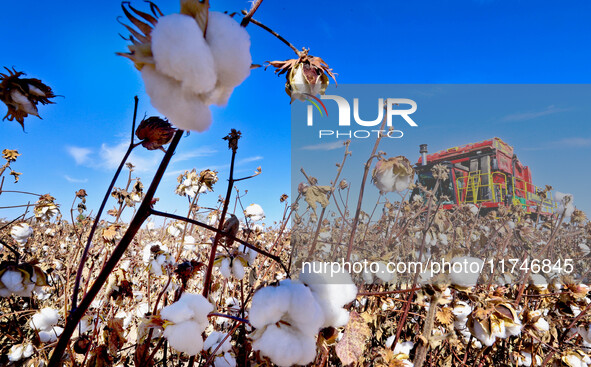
(328,283)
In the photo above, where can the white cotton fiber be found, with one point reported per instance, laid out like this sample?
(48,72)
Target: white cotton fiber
(200,306)
(13,281)
(284,347)
(226,268)
(254,212)
(51,334)
(185,337)
(238,269)
(185,110)
(44,319)
(468,273)
(332,293)
(180,52)
(214,339)
(230,46)
(15,353)
(269,304)
(177,312)
(304,310)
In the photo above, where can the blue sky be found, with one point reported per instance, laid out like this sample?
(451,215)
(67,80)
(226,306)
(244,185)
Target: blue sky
(71,46)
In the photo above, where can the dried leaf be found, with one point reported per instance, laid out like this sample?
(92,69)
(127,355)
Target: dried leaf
(352,345)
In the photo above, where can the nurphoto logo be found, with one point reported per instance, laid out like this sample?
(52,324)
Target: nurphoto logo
(344,116)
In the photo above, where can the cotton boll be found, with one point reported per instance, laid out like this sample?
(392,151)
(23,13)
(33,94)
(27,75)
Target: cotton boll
(21,233)
(214,339)
(565,203)
(468,273)
(254,212)
(226,268)
(44,319)
(180,52)
(383,273)
(230,46)
(15,353)
(269,304)
(284,347)
(185,110)
(28,351)
(332,292)
(304,309)
(403,348)
(238,269)
(484,337)
(185,337)
(50,335)
(13,281)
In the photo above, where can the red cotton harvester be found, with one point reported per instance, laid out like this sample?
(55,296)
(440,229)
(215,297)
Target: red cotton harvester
(487,174)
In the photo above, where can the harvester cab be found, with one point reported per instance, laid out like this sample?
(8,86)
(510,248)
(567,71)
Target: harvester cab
(487,174)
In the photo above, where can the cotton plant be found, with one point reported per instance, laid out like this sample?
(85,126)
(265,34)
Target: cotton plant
(287,318)
(189,61)
(184,321)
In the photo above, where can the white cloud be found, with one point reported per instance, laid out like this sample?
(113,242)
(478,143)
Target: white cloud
(80,155)
(199,152)
(524,116)
(143,160)
(563,143)
(75,180)
(250,159)
(324,146)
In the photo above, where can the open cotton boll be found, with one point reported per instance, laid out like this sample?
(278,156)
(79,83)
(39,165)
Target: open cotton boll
(44,319)
(21,232)
(565,203)
(468,273)
(284,347)
(230,46)
(51,334)
(189,306)
(185,337)
(15,353)
(180,52)
(13,281)
(226,268)
(332,292)
(254,212)
(238,269)
(189,317)
(269,304)
(214,339)
(185,110)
